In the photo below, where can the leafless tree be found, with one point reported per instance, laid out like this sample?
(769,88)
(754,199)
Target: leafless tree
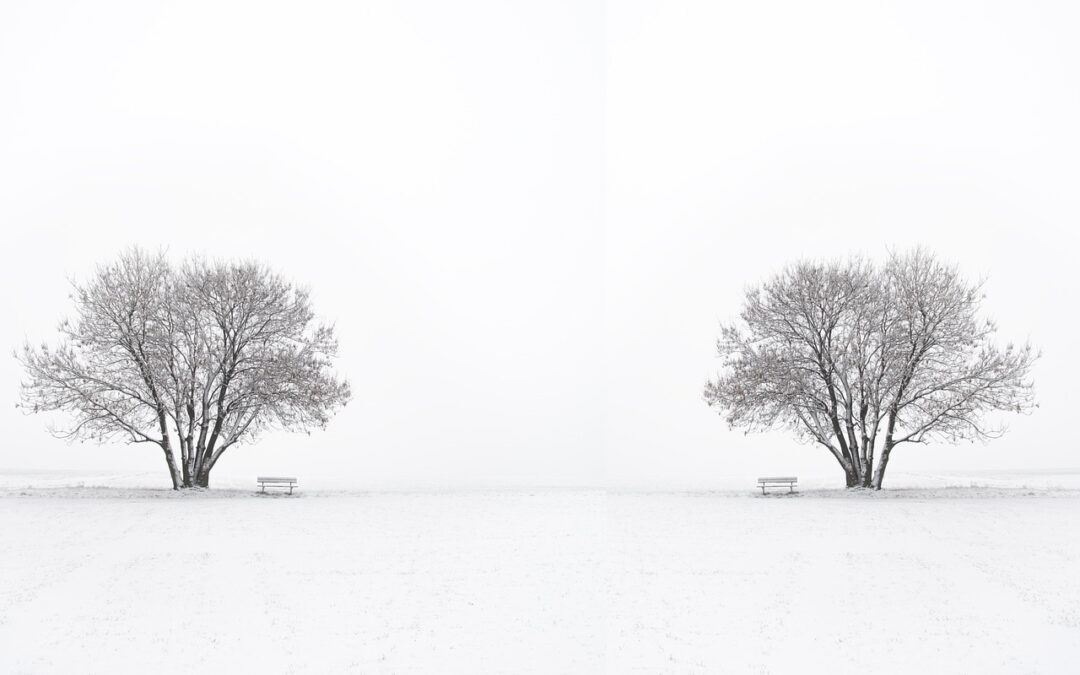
(194,359)
(847,353)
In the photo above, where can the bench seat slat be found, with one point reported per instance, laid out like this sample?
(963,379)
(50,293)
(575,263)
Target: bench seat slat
(283,482)
(777,481)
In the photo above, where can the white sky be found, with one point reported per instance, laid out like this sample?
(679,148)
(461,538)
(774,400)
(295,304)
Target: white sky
(528,218)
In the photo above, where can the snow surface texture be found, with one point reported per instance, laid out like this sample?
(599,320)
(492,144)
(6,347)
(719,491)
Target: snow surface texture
(942,580)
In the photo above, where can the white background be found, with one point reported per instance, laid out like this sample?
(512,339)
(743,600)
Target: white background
(527,219)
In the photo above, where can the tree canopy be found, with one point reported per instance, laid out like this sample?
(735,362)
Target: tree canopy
(193,358)
(846,353)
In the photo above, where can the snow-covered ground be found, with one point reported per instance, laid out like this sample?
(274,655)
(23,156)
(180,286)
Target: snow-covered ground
(918,579)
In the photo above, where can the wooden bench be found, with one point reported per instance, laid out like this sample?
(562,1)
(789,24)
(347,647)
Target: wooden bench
(269,481)
(790,482)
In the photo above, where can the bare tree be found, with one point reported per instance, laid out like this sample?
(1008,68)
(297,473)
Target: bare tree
(845,354)
(194,359)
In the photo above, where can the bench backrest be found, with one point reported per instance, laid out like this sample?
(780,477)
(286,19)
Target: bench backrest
(265,479)
(791,479)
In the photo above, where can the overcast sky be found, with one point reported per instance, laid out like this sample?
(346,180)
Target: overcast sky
(528,218)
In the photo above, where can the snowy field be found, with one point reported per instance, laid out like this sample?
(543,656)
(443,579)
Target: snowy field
(934,580)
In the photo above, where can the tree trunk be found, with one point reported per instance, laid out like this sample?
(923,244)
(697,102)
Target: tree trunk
(851,477)
(879,472)
(166,445)
(174,471)
(203,479)
(190,477)
(184,461)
